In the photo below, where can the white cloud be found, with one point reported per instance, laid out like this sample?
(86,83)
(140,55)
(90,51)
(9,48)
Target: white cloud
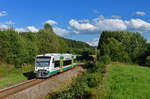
(3,27)
(94,42)
(89,43)
(27,29)
(140,13)
(83,21)
(95,39)
(115,16)
(9,22)
(77,32)
(110,24)
(100,24)
(138,25)
(101,17)
(20,30)
(32,29)
(60,31)
(3,13)
(51,22)
(57,30)
(85,27)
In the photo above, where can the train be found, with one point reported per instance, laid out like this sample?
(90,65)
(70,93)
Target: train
(49,64)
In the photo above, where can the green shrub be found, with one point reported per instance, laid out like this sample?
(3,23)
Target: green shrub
(77,90)
(105,59)
(93,79)
(148,60)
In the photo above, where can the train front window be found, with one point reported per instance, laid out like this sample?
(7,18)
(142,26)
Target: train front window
(42,61)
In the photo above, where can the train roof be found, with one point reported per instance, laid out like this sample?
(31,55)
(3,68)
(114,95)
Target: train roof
(57,55)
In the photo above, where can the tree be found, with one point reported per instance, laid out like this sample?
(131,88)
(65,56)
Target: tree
(122,46)
(48,28)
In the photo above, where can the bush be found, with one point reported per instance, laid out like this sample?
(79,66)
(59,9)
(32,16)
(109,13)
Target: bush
(93,79)
(148,60)
(81,87)
(105,59)
(77,90)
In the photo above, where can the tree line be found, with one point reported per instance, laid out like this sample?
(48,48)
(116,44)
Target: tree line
(18,48)
(123,47)
(116,46)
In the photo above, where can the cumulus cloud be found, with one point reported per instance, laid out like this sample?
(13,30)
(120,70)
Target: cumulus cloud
(60,31)
(110,24)
(3,26)
(138,25)
(51,22)
(115,16)
(94,42)
(32,29)
(89,43)
(101,17)
(100,24)
(57,30)
(83,21)
(3,13)
(140,13)
(9,22)
(95,39)
(20,30)
(27,29)
(85,27)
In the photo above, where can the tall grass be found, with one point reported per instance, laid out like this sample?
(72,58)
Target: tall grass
(124,81)
(10,74)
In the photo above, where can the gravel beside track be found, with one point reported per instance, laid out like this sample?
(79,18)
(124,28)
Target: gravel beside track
(38,88)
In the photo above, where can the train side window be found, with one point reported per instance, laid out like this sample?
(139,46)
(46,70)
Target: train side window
(56,64)
(67,62)
(75,60)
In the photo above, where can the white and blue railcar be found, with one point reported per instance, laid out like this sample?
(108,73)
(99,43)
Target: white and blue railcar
(50,64)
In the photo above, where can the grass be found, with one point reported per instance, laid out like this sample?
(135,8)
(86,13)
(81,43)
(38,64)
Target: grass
(10,75)
(124,81)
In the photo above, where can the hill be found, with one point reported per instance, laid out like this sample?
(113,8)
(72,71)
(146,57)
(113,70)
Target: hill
(20,48)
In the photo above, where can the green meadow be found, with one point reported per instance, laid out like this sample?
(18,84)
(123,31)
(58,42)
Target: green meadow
(10,75)
(125,81)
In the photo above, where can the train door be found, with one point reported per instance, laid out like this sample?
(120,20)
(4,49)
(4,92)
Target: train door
(56,65)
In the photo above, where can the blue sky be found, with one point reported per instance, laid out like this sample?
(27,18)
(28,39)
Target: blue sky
(77,19)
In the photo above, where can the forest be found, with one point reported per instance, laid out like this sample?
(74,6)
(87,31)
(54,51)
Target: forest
(128,47)
(19,48)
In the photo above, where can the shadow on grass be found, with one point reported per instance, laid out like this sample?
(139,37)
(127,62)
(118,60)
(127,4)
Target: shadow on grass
(29,75)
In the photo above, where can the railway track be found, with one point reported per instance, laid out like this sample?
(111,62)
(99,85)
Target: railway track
(24,85)
(19,87)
